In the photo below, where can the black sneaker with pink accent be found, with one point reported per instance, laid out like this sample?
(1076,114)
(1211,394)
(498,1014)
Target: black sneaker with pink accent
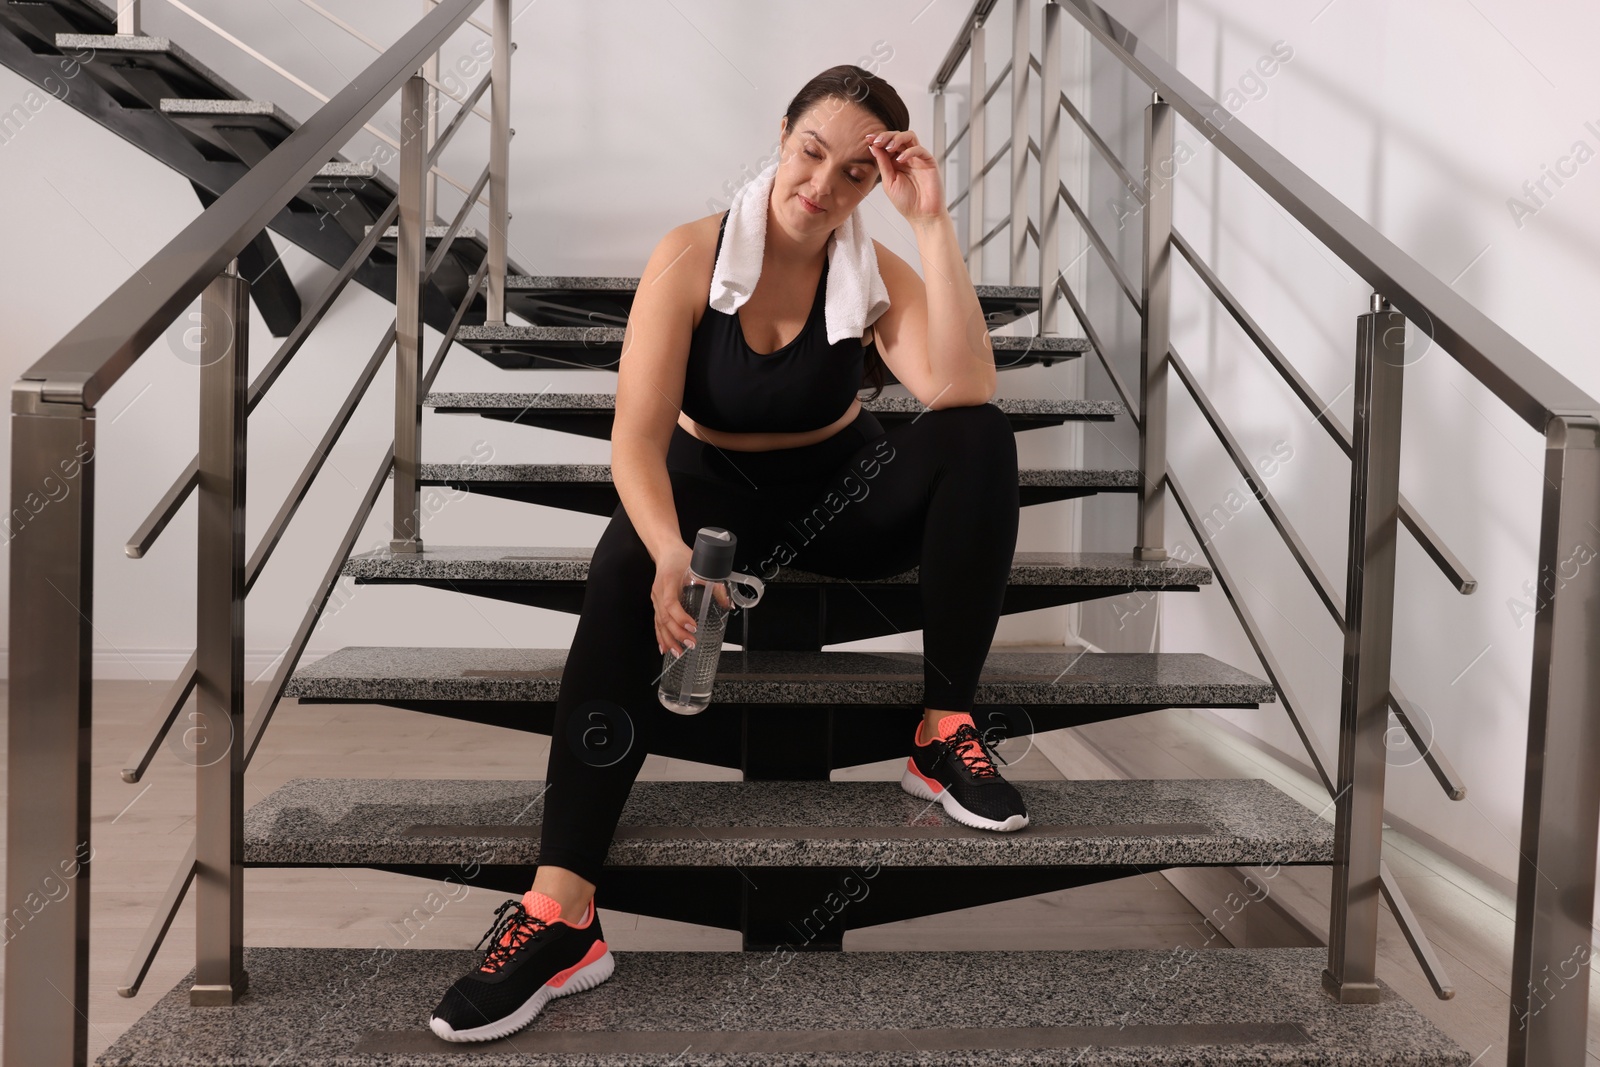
(533,957)
(956,769)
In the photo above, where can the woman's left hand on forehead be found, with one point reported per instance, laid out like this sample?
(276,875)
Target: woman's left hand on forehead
(910,176)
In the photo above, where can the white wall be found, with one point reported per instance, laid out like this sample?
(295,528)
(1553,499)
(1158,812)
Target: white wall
(1425,118)
(631,118)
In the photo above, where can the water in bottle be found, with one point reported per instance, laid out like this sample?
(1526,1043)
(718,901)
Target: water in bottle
(709,593)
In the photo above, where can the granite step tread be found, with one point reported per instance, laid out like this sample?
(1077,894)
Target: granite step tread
(509,333)
(369,1007)
(1173,679)
(345,169)
(514,563)
(1169,822)
(227,108)
(148,47)
(434,233)
(569,473)
(628,284)
(544,401)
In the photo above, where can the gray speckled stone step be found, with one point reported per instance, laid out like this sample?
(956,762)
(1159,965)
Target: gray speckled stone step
(549,335)
(1163,823)
(1093,409)
(435,233)
(600,473)
(150,49)
(1091,1008)
(567,282)
(619,283)
(510,334)
(1172,679)
(265,109)
(348,170)
(514,563)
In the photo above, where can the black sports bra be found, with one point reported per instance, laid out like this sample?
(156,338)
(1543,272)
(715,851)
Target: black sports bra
(805,385)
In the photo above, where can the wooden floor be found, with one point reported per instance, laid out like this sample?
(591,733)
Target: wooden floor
(140,832)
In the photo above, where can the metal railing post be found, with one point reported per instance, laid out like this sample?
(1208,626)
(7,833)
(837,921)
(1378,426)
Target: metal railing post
(1155,294)
(499,161)
(975,155)
(218,723)
(49,530)
(410,254)
(1550,957)
(127,18)
(1018,229)
(939,137)
(430,70)
(1351,975)
(1049,170)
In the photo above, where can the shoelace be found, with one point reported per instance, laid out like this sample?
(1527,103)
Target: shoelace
(974,751)
(519,925)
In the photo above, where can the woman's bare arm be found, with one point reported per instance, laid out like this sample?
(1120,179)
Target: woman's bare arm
(655,354)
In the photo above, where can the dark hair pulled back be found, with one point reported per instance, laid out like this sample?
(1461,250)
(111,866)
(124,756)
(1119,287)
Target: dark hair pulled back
(832,88)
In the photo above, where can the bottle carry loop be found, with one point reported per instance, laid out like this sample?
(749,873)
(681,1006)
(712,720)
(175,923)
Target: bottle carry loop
(745,600)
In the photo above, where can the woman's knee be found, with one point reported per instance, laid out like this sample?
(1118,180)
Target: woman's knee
(978,433)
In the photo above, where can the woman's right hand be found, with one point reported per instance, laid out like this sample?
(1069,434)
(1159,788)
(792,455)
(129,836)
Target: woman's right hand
(674,625)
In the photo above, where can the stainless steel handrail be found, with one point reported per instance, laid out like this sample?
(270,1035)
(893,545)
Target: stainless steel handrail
(171,501)
(283,72)
(319,454)
(376,47)
(1446,560)
(1321,584)
(1561,804)
(52,566)
(1455,571)
(174,498)
(1520,379)
(89,360)
(1123,394)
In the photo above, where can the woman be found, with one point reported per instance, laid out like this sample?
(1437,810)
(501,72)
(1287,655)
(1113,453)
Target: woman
(782,429)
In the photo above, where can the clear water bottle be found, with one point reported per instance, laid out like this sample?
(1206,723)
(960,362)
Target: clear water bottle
(709,593)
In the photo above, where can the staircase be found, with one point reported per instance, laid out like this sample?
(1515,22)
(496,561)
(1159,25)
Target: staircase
(788,857)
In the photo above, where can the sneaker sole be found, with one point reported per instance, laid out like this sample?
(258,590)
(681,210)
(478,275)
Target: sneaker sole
(584,976)
(914,783)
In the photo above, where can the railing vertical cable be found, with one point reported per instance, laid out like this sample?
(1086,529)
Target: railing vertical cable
(1550,956)
(430,71)
(219,976)
(410,252)
(1021,25)
(1155,298)
(979,78)
(50,526)
(499,160)
(1049,170)
(1351,976)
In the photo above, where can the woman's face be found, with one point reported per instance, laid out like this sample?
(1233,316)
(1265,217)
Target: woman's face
(825,160)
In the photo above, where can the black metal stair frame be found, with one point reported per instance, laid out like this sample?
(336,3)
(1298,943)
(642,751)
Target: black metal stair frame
(793,714)
(154,95)
(758,857)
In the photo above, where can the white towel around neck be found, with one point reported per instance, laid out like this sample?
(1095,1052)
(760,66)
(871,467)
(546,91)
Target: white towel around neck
(855,294)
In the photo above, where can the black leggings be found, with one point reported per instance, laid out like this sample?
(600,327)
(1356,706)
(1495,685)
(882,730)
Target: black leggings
(939,491)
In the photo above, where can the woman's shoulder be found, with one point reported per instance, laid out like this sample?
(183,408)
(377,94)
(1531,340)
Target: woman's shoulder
(684,257)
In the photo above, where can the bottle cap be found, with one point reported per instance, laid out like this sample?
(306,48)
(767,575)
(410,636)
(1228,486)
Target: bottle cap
(713,553)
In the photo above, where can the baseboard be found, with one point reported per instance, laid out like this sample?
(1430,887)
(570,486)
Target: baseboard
(163,664)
